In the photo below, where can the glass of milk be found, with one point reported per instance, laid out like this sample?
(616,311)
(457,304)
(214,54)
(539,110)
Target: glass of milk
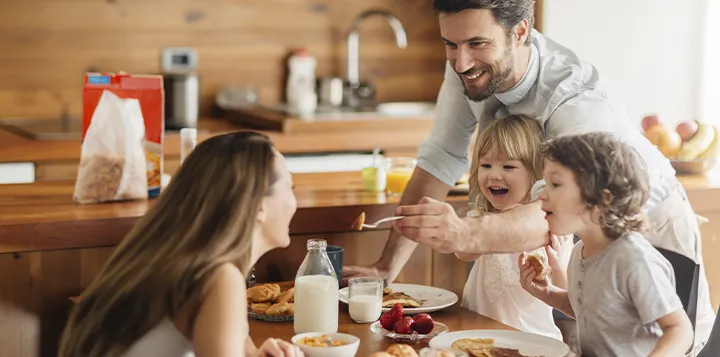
(366,295)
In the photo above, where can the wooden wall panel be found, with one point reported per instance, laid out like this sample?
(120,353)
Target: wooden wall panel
(46,46)
(33,296)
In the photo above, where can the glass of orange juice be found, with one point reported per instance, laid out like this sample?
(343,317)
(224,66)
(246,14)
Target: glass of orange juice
(398,173)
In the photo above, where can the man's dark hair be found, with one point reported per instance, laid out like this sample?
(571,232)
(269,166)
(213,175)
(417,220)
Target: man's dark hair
(507,13)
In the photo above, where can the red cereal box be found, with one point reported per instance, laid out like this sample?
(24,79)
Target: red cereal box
(148,90)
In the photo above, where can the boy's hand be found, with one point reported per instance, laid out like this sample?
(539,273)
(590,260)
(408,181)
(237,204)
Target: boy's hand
(540,290)
(559,251)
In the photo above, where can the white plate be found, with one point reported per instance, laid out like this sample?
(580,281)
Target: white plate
(432,298)
(527,343)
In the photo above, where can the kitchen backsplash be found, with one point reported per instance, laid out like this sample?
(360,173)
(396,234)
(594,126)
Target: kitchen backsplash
(47,46)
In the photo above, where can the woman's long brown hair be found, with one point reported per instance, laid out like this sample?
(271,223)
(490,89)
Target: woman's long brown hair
(203,219)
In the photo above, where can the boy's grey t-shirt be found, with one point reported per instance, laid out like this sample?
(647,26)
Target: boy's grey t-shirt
(617,296)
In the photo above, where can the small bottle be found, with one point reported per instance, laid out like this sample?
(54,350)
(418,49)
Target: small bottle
(316,291)
(300,90)
(188,141)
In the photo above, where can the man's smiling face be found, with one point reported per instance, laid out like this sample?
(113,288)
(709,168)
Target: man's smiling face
(479,50)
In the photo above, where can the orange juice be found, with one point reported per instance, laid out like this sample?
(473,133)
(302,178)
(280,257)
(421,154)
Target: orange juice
(399,171)
(397,180)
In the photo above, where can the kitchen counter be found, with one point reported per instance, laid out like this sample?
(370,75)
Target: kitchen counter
(43,216)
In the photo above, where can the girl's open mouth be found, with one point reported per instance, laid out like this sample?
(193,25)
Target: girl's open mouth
(497,191)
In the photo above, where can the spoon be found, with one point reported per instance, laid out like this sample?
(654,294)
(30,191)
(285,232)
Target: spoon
(359,223)
(387,219)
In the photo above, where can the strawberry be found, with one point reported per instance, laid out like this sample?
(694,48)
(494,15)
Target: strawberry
(387,321)
(404,326)
(396,312)
(424,324)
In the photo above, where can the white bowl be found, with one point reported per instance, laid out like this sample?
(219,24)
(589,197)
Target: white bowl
(349,349)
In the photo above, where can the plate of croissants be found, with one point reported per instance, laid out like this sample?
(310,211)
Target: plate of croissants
(270,302)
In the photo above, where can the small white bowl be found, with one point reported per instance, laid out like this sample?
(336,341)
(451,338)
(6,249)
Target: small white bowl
(349,349)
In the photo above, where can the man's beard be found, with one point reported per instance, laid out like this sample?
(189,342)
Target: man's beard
(500,71)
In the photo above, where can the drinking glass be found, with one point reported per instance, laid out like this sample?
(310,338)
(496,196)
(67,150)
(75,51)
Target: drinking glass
(399,170)
(188,141)
(366,295)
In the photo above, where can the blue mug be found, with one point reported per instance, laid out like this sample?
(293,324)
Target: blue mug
(335,254)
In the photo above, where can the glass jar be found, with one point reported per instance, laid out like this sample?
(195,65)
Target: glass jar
(316,291)
(373,178)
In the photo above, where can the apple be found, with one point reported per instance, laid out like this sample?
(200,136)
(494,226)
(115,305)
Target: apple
(649,121)
(687,130)
(667,140)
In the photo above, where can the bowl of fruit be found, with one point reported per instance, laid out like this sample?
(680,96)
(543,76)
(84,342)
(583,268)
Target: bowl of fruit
(393,324)
(692,147)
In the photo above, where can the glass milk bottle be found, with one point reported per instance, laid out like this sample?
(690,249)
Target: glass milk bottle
(316,291)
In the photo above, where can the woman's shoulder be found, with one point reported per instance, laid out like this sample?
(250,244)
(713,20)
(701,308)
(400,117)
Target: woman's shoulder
(228,277)
(225,287)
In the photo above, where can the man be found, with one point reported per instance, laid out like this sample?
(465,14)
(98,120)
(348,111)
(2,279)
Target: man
(498,65)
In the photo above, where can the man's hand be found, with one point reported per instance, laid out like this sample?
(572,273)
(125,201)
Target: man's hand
(434,224)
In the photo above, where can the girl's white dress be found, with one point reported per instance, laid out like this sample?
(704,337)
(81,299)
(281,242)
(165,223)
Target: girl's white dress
(493,290)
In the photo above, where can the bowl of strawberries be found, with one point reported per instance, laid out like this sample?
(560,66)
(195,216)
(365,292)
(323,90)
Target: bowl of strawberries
(395,325)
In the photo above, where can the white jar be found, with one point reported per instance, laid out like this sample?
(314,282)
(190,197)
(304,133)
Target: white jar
(301,78)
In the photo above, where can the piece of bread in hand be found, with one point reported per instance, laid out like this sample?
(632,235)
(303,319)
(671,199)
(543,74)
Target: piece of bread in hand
(540,263)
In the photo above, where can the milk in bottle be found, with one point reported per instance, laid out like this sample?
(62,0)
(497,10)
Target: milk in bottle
(316,292)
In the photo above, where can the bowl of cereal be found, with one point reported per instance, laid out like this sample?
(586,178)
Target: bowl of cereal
(318,344)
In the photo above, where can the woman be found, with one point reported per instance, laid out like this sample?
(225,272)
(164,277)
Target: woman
(175,286)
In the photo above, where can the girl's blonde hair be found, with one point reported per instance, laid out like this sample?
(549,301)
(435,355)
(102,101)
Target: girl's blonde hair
(203,219)
(517,136)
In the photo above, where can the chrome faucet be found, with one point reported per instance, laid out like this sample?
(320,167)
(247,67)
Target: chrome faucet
(353,43)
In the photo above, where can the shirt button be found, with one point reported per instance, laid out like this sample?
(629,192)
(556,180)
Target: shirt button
(579,284)
(580,301)
(582,267)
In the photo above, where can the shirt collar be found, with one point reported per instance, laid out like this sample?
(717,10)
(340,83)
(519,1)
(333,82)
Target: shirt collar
(515,94)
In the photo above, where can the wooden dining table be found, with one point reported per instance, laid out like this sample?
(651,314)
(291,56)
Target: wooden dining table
(456,318)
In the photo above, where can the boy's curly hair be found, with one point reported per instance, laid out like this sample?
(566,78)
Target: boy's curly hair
(611,176)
